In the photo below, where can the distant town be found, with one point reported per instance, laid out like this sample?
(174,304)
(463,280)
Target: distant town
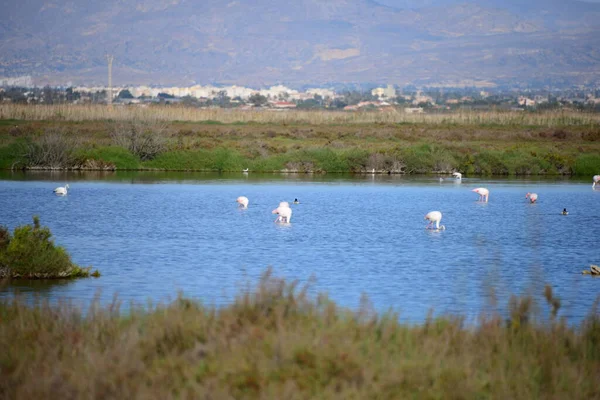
(409,99)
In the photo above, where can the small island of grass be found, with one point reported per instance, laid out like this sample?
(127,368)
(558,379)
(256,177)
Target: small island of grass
(30,253)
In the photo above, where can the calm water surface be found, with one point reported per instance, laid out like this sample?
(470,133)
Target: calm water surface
(152,235)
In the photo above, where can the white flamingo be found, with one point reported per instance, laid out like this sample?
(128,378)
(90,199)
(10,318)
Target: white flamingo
(242,201)
(284,212)
(62,191)
(596,181)
(483,193)
(457,175)
(434,217)
(532,197)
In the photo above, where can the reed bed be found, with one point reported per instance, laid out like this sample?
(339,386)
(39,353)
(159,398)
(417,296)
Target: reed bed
(277,342)
(71,112)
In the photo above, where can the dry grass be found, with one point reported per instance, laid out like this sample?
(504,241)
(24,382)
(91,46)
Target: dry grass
(275,343)
(228,116)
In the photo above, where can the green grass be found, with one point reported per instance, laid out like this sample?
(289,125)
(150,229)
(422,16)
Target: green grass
(10,122)
(119,157)
(219,159)
(275,342)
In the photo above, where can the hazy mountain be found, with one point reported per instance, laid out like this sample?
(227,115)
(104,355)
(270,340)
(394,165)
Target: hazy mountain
(264,42)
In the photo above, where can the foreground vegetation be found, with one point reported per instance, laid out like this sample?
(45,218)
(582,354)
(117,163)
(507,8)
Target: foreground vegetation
(30,253)
(138,138)
(275,342)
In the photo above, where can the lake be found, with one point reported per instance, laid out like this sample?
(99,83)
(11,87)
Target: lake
(152,235)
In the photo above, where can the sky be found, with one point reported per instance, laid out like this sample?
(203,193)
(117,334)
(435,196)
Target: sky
(402,3)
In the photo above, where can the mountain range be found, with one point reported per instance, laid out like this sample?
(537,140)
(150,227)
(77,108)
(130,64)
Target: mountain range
(302,43)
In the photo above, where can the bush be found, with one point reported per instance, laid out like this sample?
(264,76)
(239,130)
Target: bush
(587,164)
(55,150)
(31,253)
(144,138)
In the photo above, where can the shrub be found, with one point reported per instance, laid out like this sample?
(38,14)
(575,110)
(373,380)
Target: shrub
(356,159)
(13,155)
(489,163)
(31,253)
(144,138)
(55,150)
(587,164)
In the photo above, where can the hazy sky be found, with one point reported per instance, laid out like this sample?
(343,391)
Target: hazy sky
(401,3)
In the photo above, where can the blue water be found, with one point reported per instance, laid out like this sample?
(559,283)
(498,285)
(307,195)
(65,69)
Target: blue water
(153,235)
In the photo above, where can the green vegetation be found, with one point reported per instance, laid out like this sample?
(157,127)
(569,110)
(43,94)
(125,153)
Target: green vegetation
(275,342)
(107,157)
(587,164)
(30,253)
(212,145)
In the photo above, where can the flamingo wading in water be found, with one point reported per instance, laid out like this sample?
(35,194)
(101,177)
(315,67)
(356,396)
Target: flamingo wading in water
(457,175)
(596,180)
(284,212)
(434,217)
(61,191)
(483,193)
(532,197)
(242,201)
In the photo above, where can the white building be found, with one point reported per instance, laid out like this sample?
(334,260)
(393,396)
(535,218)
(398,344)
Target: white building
(387,92)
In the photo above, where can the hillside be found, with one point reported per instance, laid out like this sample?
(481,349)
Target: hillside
(304,42)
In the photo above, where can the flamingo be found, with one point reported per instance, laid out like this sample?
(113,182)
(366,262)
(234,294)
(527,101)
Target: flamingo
(457,175)
(242,201)
(483,194)
(284,212)
(434,217)
(245,170)
(61,191)
(596,180)
(532,197)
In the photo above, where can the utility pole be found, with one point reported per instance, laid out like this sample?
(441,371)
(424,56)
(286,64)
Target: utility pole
(109,58)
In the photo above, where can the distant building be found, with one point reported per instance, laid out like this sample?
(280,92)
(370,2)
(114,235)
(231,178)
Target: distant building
(527,102)
(283,104)
(22,81)
(387,92)
(414,110)
(421,98)
(321,92)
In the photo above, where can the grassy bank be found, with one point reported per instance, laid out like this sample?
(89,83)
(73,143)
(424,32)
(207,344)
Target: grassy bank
(429,146)
(274,342)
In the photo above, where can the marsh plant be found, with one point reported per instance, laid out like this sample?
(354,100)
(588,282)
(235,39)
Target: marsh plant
(54,149)
(145,138)
(30,253)
(71,112)
(276,341)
